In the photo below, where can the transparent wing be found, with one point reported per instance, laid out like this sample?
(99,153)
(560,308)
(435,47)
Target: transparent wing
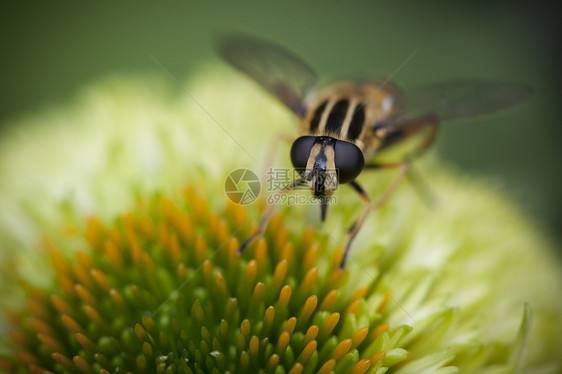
(465,98)
(277,70)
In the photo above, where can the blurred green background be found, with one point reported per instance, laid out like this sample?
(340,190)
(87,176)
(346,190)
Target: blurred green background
(51,50)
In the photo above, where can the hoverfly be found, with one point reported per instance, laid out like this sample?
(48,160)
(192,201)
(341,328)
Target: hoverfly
(343,126)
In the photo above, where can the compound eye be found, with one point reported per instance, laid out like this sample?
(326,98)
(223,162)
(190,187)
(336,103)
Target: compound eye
(349,161)
(300,151)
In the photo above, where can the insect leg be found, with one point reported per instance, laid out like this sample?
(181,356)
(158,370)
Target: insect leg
(417,180)
(419,184)
(267,216)
(390,190)
(396,131)
(353,231)
(368,204)
(432,123)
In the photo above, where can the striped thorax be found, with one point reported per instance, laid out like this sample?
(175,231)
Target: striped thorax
(348,111)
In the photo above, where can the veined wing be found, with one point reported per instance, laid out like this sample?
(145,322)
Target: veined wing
(464,98)
(276,69)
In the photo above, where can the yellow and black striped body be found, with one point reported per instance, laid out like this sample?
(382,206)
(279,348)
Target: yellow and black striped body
(349,111)
(344,125)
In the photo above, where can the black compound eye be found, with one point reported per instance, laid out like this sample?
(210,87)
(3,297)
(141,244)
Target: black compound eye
(349,161)
(300,151)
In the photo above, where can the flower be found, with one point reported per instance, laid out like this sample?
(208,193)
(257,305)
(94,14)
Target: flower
(151,281)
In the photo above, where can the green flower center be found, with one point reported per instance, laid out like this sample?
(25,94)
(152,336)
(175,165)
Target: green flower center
(164,290)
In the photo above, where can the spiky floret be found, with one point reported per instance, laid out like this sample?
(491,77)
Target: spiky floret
(163,289)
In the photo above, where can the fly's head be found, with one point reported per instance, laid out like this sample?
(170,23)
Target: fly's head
(325,162)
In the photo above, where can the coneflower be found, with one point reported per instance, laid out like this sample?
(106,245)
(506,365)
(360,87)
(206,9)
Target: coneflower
(142,274)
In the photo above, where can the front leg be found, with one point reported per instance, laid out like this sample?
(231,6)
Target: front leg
(399,130)
(368,204)
(268,212)
(355,229)
(404,167)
